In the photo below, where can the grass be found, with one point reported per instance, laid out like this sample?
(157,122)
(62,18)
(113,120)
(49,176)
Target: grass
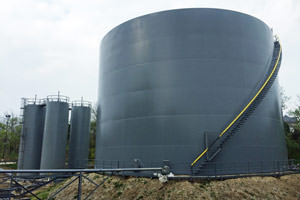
(10,166)
(45,191)
(118,185)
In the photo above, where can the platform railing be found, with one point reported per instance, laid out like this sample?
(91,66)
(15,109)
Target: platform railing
(19,184)
(82,103)
(58,98)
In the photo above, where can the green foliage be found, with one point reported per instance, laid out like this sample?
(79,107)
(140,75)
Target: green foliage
(10,131)
(95,113)
(284,99)
(10,166)
(293,148)
(296,113)
(45,191)
(286,128)
(92,140)
(293,139)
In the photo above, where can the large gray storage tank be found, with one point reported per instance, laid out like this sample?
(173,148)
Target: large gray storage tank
(32,134)
(169,78)
(55,132)
(79,134)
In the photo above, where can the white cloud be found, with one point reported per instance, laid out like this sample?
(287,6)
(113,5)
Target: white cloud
(51,45)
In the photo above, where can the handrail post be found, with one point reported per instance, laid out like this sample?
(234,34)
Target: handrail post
(10,186)
(79,186)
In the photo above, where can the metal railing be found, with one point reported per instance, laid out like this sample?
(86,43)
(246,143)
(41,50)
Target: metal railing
(31,101)
(58,98)
(247,108)
(19,184)
(81,103)
(212,169)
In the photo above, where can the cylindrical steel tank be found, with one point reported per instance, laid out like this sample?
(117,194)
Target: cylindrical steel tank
(79,134)
(32,134)
(168,78)
(55,133)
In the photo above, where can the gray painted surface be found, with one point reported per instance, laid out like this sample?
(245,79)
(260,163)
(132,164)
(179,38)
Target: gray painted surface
(55,135)
(79,137)
(169,77)
(31,137)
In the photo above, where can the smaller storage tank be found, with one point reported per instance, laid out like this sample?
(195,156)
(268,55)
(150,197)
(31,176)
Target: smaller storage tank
(79,134)
(32,133)
(55,132)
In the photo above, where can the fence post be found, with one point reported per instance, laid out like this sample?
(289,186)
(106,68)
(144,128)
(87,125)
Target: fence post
(10,186)
(79,186)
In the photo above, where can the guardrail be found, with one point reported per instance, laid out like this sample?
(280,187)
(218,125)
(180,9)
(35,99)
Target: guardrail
(212,168)
(24,183)
(58,98)
(81,103)
(31,101)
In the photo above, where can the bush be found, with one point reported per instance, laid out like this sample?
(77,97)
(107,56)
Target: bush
(293,148)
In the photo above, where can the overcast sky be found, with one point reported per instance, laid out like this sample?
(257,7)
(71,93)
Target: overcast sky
(51,45)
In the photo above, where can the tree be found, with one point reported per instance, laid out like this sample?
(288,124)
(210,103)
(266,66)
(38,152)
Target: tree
(93,132)
(296,113)
(284,100)
(293,148)
(293,139)
(10,131)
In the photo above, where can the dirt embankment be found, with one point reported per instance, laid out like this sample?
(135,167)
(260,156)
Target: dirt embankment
(285,187)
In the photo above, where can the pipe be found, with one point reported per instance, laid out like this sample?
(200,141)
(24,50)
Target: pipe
(79,170)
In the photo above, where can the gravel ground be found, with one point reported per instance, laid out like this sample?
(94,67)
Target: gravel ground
(285,187)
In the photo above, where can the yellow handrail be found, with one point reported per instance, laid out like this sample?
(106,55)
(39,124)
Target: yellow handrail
(247,106)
